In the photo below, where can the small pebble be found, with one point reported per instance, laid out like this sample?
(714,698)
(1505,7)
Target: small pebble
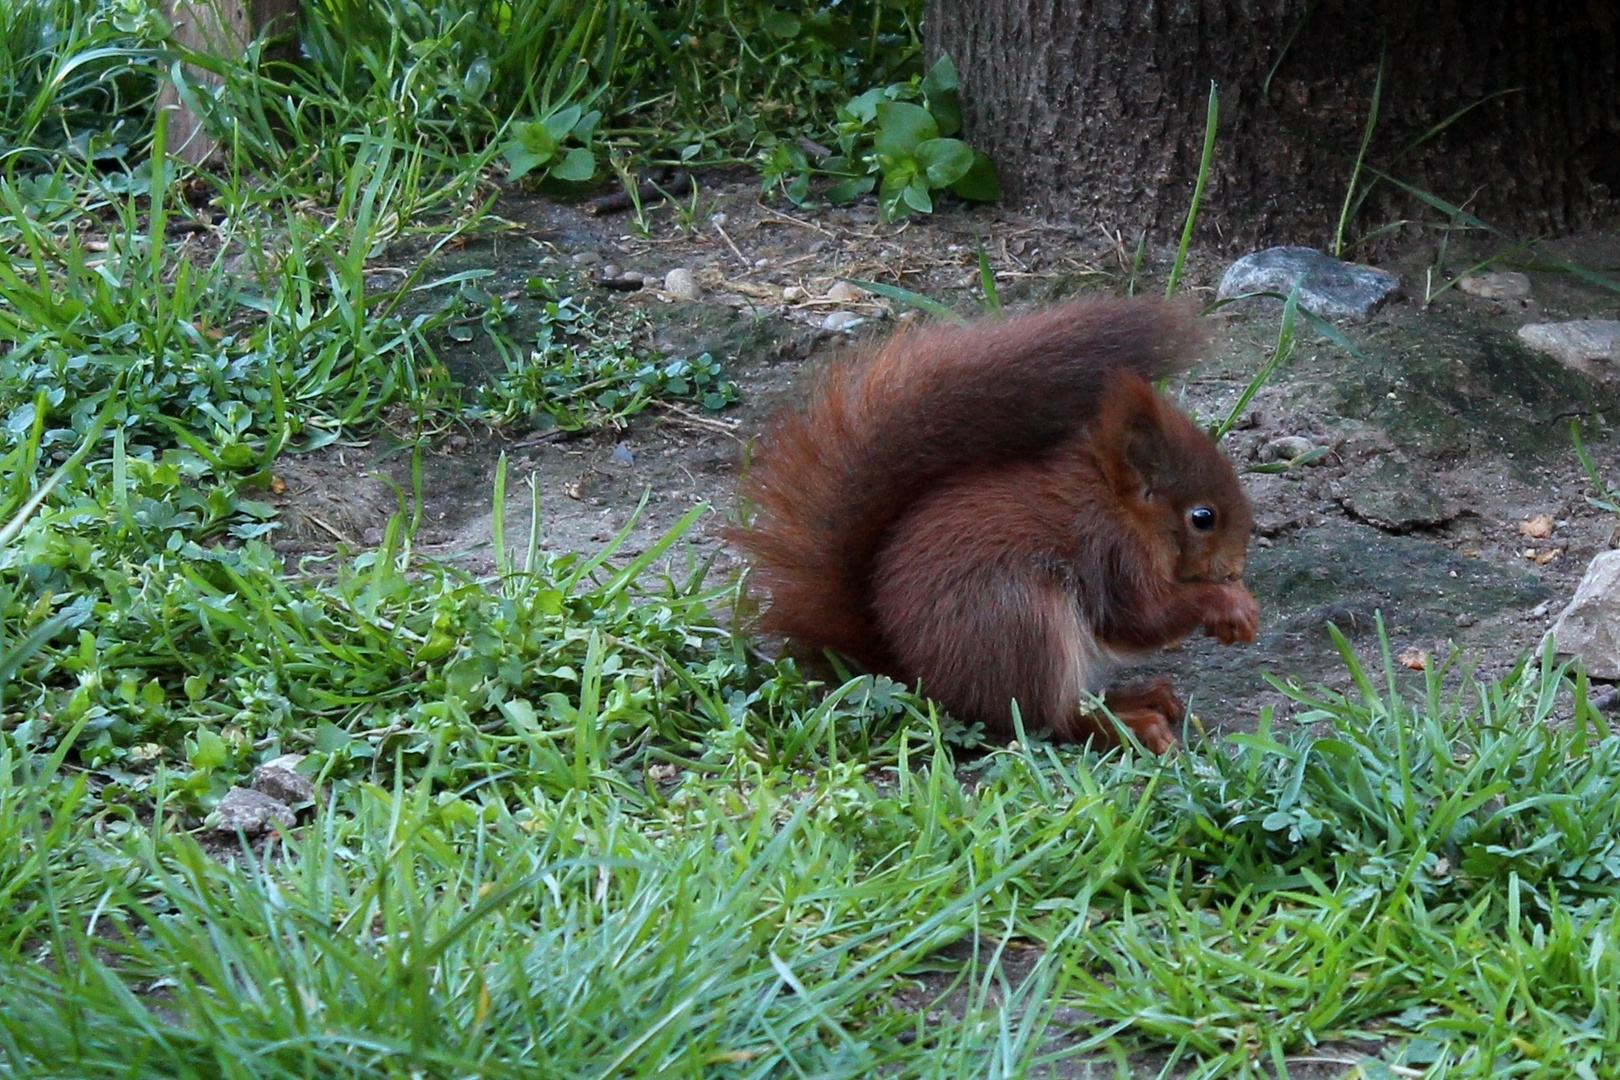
(586,258)
(845,293)
(611,270)
(1501,285)
(682,285)
(793,294)
(622,455)
(249,812)
(1287,448)
(281,780)
(841,320)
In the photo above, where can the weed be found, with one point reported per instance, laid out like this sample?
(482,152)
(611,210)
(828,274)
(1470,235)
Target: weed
(898,140)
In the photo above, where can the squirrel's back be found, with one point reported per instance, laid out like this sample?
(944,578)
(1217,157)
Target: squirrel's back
(883,425)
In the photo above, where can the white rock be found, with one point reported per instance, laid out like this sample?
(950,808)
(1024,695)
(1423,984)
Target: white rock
(841,320)
(1590,626)
(793,294)
(845,293)
(1578,343)
(1496,285)
(682,285)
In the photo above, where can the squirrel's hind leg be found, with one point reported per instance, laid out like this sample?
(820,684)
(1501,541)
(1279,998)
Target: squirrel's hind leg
(1150,708)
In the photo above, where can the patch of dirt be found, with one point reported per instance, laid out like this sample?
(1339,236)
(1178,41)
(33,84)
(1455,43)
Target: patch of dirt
(1442,433)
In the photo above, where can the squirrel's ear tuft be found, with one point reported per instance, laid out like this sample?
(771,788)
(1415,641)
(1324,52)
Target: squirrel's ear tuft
(1130,438)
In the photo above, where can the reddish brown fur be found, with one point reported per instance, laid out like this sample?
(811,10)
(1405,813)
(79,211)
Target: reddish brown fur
(999,512)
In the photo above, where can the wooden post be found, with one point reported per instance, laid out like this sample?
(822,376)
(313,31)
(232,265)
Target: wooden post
(221,28)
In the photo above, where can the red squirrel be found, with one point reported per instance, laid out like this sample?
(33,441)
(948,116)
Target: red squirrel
(1005,511)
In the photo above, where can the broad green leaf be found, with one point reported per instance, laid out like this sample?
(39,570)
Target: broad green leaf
(979,183)
(902,127)
(579,164)
(850,188)
(520,163)
(781,24)
(561,122)
(476,81)
(209,752)
(945,161)
(864,108)
(587,125)
(941,77)
(916,195)
(939,87)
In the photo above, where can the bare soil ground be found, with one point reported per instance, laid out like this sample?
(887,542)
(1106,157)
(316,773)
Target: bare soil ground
(1444,435)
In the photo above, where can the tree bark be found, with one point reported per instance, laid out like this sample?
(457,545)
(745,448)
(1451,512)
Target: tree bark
(1095,109)
(220,28)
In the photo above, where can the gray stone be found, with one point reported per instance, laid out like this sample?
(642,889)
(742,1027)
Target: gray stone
(1589,628)
(682,284)
(841,320)
(1496,285)
(1395,498)
(280,779)
(1328,287)
(243,810)
(1286,448)
(1584,344)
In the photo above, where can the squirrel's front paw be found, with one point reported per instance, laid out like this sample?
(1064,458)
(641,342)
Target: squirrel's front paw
(1234,615)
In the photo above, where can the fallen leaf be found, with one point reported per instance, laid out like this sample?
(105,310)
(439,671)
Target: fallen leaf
(1416,659)
(1537,528)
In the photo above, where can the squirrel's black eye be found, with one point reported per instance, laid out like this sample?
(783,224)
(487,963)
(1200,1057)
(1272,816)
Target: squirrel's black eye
(1201,518)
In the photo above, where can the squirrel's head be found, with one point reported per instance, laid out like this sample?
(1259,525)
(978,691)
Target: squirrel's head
(1173,480)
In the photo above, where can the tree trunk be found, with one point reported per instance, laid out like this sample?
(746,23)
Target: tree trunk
(220,28)
(1095,109)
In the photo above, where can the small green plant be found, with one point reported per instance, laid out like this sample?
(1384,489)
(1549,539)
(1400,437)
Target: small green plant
(540,145)
(898,140)
(1608,496)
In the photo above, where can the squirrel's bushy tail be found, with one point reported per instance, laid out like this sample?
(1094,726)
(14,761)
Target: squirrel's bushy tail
(881,426)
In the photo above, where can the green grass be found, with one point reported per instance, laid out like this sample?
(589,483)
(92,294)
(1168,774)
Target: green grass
(662,858)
